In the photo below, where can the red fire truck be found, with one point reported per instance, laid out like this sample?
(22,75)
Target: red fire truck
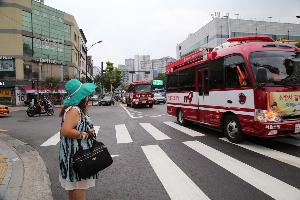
(248,86)
(139,93)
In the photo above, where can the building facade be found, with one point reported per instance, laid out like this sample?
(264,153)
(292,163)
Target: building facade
(149,69)
(138,59)
(129,66)
(38,43)
(219,29)
(83,55)
(125,74)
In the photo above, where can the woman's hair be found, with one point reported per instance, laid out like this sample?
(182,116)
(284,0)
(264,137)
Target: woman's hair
(82,105)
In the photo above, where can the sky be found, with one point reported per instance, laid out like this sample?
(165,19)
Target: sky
(155,27)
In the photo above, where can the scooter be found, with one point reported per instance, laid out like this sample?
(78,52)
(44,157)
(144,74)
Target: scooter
(34,110)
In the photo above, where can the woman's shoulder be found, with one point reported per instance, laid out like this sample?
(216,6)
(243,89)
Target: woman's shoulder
(73,111)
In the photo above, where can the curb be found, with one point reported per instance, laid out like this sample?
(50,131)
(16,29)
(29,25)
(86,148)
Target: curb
(27,177)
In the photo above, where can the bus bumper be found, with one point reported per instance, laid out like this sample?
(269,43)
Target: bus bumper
(281,129)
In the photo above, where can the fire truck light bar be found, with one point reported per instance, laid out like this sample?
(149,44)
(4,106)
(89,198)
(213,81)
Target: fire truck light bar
(251,38)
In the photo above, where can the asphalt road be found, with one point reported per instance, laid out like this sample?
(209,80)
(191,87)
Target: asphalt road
(156,159)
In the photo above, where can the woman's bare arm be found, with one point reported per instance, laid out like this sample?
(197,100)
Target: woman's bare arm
(68,128)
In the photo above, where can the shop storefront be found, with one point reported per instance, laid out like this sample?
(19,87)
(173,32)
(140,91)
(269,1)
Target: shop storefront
(26,93)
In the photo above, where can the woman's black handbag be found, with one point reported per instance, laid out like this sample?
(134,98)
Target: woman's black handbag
(90,161)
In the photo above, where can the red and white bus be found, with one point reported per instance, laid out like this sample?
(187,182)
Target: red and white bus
(139,93)
(247,86)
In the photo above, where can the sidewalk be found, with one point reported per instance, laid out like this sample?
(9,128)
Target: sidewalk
(23,174)
(22,108)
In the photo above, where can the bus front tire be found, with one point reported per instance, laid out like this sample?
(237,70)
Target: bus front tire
(232,129)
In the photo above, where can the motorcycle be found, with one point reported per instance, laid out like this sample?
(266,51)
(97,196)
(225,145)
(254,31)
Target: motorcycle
(38,110)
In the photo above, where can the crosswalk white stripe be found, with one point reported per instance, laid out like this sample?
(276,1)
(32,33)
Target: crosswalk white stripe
(177,184)
(277,155)
(122,134)
(184,129)
(52,141)
(157,134)
(290,140)
(271,186)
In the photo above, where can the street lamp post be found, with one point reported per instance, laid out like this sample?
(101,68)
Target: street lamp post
(86,59)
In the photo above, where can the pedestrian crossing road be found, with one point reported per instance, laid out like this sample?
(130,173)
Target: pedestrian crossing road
(246,170)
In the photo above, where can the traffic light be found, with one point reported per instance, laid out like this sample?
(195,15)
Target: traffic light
(102,70)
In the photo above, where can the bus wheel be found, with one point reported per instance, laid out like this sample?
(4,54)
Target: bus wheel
(150,105)
(232,129)
(180,118)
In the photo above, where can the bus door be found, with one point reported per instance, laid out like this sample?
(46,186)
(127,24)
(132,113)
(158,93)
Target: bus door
(203,91)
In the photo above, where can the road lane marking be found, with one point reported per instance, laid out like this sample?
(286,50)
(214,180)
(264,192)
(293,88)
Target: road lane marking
(114,156)
(184,129)
(130,115)
(54,140)
(3,130)
(277,155)
(157,134)
(177,184)
(122,134)
(156,115)
(290,140)
(269,185)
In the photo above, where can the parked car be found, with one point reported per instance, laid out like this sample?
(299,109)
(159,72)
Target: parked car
(94,98)
(158,98)
(4,110)
(106,101)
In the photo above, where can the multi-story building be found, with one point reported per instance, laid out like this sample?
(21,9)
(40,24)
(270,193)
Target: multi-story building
(38,43)
(219,29)
(155,67)
(129,66)
(148,69)
(125,74)
(83,55)
(159,65)
(137,66)
(90,66)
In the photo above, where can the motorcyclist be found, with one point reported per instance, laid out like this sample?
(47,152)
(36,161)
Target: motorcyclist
(36,104)
(45,104)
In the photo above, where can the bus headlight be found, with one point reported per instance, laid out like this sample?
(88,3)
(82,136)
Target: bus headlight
(266,116)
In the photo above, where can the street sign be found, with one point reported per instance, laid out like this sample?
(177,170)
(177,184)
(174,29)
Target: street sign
(157,82)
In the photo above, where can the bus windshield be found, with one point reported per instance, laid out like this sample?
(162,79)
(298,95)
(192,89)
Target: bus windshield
(276,67)
(142,88)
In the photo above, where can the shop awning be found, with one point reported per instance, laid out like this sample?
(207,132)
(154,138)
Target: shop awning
(29,89)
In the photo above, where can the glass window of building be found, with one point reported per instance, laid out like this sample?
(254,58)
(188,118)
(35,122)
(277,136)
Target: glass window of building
(27,46)
(26,21)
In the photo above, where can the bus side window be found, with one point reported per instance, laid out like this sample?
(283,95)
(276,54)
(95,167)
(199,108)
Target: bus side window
(206,83)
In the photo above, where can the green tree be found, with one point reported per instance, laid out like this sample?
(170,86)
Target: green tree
(111,79)
(161,76)
(297,44)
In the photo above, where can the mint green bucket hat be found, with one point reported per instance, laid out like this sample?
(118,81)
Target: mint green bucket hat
(76,91)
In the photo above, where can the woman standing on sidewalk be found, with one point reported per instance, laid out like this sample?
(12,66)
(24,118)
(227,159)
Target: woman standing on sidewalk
(76,130)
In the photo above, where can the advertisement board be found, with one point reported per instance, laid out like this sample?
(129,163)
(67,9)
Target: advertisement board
(7,65)
(285,103)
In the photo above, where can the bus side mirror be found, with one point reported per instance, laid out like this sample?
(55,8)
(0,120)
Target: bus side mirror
(261,76)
